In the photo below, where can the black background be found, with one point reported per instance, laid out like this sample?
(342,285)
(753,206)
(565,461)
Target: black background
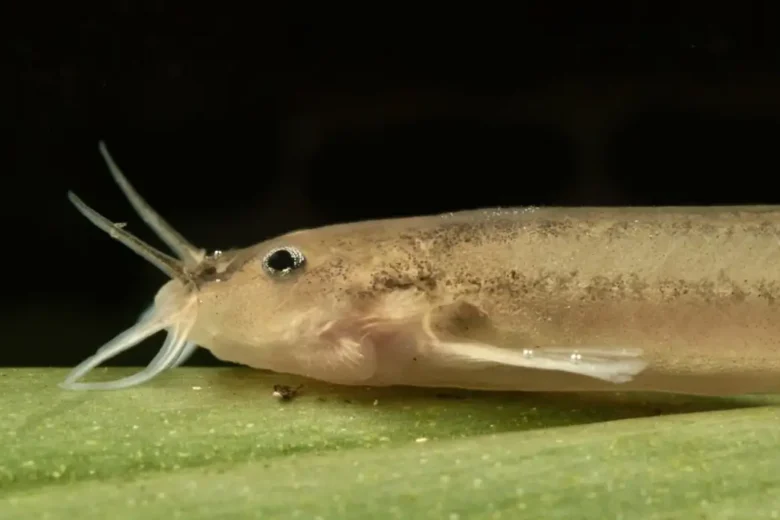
(239,123)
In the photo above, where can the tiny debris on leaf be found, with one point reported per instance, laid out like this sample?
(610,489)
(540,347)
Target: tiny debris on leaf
(285,393)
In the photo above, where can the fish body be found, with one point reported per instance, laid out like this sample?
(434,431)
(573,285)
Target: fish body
(691,291)
(668,299)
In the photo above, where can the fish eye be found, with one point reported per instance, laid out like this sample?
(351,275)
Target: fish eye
(283,260)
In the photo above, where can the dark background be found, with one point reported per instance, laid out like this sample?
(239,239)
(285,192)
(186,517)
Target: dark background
(240,124)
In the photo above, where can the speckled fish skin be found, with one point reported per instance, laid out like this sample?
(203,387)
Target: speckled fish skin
(695,288)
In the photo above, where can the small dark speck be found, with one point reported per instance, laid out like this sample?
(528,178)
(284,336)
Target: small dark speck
(449,396)
(414,358)
(286,393)
(347,401)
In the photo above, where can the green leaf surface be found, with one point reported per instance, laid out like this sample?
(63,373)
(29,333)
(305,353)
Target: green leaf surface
(214,443)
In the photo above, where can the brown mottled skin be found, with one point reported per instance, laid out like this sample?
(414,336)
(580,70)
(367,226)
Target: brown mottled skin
(698,289)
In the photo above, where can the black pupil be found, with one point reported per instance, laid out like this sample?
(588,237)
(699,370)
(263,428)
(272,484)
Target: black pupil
(281,260)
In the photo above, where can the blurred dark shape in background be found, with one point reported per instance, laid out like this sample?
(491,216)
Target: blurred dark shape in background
(240,125)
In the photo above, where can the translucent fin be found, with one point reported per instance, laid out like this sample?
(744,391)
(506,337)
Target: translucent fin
(188,253)
(163,262)
(612,365)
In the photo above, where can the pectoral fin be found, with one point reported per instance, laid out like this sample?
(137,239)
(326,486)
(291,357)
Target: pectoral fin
(613,365)
(462,331)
